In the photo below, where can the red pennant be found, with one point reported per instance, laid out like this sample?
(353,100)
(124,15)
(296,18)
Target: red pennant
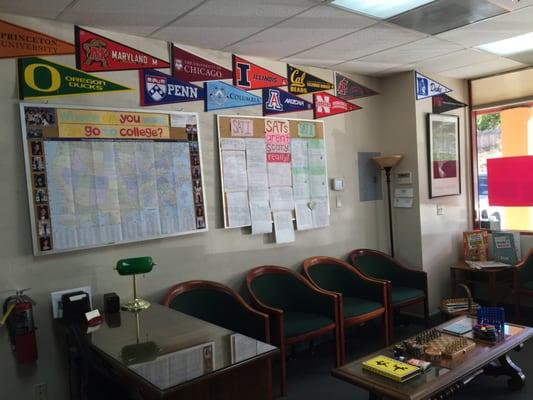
(191,68)
(98,53)
(326,104)
(249,76)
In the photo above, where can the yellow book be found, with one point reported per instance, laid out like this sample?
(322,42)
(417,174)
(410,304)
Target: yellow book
(391,368)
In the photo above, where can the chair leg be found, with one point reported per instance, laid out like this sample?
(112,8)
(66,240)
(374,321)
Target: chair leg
(283,369)
(517,306)
(386,329)
(340,348)
(391,324)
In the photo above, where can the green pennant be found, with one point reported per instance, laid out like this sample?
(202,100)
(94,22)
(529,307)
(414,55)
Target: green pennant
(42,78)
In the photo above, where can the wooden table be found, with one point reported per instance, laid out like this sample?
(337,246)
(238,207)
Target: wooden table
(445,377)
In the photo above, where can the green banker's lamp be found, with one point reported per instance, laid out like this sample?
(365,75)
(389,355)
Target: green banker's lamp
(135,266)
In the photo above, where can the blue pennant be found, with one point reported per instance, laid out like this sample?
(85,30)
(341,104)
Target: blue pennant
(160,88)
(220,95)
(277,101)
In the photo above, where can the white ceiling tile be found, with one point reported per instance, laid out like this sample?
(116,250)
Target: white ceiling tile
(362,67)
(220,23)
(139,17)
(36,8)
(314,62)
(454,60)
(512,4)
(493,29)
(364,42)
(308,29)
(483,69)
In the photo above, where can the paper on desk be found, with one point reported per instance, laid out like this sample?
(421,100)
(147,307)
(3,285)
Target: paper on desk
(261,217)
(283,227)
(487,264)
(238,209)
(234,171)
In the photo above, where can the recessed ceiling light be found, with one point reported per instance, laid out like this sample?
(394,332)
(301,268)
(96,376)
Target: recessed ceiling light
(380,8)
(517,44)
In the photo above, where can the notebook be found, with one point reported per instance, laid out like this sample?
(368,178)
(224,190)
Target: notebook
(391,368)
(458,328)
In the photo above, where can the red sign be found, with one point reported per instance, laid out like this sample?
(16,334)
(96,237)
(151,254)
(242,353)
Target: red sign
(510,180)
(189,67)
(98,53)
(326,104)
(249,76)
(277,140)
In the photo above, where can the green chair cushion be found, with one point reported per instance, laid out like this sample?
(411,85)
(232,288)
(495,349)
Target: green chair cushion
(297,323)
(527,285)
(354,306)
(402,293)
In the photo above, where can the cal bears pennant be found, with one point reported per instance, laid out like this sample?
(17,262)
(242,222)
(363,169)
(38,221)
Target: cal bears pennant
(326,105)
(277,101)
(443,103)
(189,67)
(97,53)
(426,87)
(219,95)
(42,78)
(159,88)
(249,76)
(17,41)
(348,89)
(300,82)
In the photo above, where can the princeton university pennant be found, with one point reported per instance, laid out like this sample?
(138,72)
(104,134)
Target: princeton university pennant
(443,103)
(249,76)
(97,53)
(42,78)
(426,87)
(17,41)
(277,101)
(219,95)
(159,88)
(326,105)
(348,89)
(191,68)
(300,82)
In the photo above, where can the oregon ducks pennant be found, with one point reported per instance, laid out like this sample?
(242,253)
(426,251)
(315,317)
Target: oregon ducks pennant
(42,78)
(249,76)
(301,82)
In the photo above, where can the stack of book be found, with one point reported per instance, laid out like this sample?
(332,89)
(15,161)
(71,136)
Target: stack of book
(391,368)
(456,305)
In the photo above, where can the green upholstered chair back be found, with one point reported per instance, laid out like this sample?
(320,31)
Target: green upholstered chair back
(376,264)
(333,277)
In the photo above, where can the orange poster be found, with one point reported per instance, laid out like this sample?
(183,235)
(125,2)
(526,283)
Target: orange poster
(17,41)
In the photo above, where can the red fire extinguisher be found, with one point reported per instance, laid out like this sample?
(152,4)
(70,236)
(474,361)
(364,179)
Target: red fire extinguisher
(18,317)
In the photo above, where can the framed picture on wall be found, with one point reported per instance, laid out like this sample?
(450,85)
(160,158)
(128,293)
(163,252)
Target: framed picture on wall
(443,155)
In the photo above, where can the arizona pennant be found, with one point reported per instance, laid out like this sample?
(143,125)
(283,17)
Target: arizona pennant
(189,67)
(301,82)
(17,41)
(160,88)
(426,87)
(249,76)
(42,78)
(348,89)
(219,95)
(443,103)
(326,105)
(98,53)
(277,101)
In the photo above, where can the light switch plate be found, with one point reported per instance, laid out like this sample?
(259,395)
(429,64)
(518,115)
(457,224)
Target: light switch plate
(57,307)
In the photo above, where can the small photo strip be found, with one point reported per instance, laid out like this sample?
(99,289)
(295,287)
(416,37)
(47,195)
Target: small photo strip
(39,180)
(199,211)
(197,185)
(34,132)
(45,243)
(39,116)
(37,163)
(40,196)
(44,228)
(193,147)
(200,223)
(195,172)
(195,159)
(198,199)
(43,213)
(36,148)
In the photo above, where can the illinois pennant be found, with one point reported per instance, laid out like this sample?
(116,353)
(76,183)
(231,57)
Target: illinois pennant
(249,76)
(301,82)
(277,101)
(326,105)
(189,67)
(98,53)
(160,88)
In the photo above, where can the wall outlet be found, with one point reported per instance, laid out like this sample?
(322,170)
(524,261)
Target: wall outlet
(440,210)
(57,306)
(41,391)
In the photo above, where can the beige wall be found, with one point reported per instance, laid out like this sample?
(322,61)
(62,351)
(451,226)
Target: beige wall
(502,88)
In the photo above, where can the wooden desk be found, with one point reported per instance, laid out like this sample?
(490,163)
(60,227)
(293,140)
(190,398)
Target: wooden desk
(446,376)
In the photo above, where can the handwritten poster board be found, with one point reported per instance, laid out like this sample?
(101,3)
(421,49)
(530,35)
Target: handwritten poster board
(99,176)
(273,170)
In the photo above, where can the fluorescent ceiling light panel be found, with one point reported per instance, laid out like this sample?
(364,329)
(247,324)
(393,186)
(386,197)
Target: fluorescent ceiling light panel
(517,44)
(380,8)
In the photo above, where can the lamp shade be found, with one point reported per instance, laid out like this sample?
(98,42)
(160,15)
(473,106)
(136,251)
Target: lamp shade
(388,161)
(138,265)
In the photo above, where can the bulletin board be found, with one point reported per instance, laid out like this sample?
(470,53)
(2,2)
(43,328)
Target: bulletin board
(273,170)
(103,176)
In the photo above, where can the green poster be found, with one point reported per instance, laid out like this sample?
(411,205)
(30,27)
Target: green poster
(42,78)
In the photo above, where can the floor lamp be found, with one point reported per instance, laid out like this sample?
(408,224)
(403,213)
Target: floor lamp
(387,163)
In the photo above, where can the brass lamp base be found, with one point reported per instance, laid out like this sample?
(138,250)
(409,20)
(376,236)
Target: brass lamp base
(136,305)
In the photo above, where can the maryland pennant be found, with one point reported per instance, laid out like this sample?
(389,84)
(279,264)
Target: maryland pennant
(348,89)
(42,78)
(159,88)
(443,103)
(326,105)
(189,67)
(17,41)
(277,101)
(426,87)
(249,76)
(98,53)
(301,82)
(219,95)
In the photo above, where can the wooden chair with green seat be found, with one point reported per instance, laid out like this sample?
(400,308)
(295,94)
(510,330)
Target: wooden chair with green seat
(298,311)
(406,286)
(360,298)
(523,281)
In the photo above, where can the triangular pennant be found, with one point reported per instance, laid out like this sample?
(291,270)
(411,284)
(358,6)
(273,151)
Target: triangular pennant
(189,67)
(219,95)
(326,104)
(443,103)
(301,82)
(97,53)
(42,78)
(249,76)
(426,87)
(277,101)
(348,89)
(17,41)
(159,88)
